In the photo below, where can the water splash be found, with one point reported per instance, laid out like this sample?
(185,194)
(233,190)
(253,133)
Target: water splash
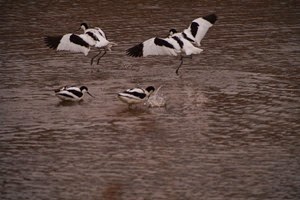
(156,99)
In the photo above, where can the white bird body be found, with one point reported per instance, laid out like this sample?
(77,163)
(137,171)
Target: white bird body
(97,40)
(135,95)
(158,46)
(71,93)
(186,46)
(189,48)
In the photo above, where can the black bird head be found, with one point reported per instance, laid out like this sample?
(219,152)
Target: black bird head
(83,26)
(172,31)
(85,89)
(82,88)
(150,89)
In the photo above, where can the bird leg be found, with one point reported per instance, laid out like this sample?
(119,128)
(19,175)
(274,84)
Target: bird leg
(95,57)
(181,62)
(101,57)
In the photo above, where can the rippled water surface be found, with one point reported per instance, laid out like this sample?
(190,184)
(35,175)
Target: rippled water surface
(230,129)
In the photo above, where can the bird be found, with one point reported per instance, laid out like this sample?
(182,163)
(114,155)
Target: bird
(71,93)
(100,40)
(187,47)
(80,43)
(135,95)
(186,42)
(173,45)
(198,28)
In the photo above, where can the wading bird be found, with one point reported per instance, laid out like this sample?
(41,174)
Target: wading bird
(176,43)
(135,95)
(71,93)
(100,40)
(80,43)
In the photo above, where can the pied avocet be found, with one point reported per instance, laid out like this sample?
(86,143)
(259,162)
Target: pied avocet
(71,93)
(99,38)
(135,95)
(80,43)
(176,43)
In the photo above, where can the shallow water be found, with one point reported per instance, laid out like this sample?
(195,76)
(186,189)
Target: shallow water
(229,129)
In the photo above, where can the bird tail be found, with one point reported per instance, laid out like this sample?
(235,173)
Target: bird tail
(110,45)
(194,50)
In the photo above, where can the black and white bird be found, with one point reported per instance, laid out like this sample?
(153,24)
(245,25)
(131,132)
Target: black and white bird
(187,47)
(177,43)
(80,43)
(100,40)
(135,95)
(71,93)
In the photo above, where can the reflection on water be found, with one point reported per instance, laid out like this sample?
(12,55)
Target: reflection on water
(228,130)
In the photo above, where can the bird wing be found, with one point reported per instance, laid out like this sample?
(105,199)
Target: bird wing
(135,93)
(52,41)
(88,39)
(72,88)
(155,46)
(75,91)
(101,32)
(199,27)
(66,93)
(62,88)
(68,42)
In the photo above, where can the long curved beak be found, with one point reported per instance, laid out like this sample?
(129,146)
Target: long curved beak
(90,94)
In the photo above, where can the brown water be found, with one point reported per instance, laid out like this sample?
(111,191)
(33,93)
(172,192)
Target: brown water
(230,129)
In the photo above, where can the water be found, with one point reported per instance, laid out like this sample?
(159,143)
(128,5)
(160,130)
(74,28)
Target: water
(229,129)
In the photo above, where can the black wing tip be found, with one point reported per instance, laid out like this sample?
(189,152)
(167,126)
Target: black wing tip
(211,18)
(52,41)
(136,51)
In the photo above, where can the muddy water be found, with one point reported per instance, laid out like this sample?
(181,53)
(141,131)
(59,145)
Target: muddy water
(229,129)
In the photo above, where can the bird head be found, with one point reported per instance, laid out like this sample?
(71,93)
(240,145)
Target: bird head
(150,89)
(83,26)
(84,89)
(172,31)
